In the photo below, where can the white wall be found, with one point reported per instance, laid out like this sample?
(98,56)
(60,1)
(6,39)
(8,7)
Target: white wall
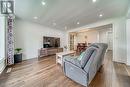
(119,36)
(128,37)
(106,36)
(102,36)
(128,42)
(29,37)
(128,13)
(2,43)
(92,37)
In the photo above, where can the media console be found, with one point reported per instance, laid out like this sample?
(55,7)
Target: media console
(48,51)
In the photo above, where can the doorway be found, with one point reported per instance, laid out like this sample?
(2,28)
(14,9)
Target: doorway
(110,40)
(106,36)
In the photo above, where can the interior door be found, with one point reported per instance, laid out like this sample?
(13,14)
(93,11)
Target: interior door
(110,40)
(71,42)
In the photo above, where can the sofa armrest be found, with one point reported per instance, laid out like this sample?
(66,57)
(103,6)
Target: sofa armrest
(73,60)
(75,73)
(73,65)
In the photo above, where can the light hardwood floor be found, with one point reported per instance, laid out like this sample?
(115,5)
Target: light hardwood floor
(128,70)
(45,73)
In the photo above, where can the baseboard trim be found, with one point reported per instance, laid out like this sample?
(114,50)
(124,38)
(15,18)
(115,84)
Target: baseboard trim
(128,64)
(119,61)
(29,58)
(127,70)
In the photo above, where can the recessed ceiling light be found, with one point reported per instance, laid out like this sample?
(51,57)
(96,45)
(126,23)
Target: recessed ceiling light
(78,23)
(100,15)
(94,0)
(65,27)
(35,17)
(43,3)
(54,24)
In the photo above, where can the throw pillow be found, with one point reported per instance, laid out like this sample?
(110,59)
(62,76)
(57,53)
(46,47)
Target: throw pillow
(86,56)
(81,56)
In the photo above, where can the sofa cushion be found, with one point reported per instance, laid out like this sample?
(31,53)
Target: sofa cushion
(73,60)
(94,45)
(89,51)
(81,56)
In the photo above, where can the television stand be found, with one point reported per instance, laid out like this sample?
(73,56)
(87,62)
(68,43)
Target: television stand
(48,51)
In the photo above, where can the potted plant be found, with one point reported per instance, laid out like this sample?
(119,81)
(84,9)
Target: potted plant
(18,55)
(65,47)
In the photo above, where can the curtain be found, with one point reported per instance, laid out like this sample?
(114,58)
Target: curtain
(10,40)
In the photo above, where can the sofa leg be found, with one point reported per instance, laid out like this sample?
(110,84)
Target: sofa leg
(100,69)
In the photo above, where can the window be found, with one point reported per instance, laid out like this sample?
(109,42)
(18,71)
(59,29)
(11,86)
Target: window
(2,38)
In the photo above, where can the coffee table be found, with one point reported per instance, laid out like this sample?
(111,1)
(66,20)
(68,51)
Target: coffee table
(59,56)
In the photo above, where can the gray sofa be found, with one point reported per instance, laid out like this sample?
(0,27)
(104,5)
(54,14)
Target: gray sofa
(83,71)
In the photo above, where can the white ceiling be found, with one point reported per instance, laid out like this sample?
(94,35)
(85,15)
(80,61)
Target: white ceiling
(66,13)
(108,26)
(128,16)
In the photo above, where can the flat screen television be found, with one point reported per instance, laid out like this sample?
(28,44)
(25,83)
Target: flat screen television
(49,42)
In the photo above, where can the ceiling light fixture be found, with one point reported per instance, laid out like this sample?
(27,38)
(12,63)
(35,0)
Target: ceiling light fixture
(35,17)
(43,3)
(78,23)
(54,24)
(94,1)
(65,28)
(100,15)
